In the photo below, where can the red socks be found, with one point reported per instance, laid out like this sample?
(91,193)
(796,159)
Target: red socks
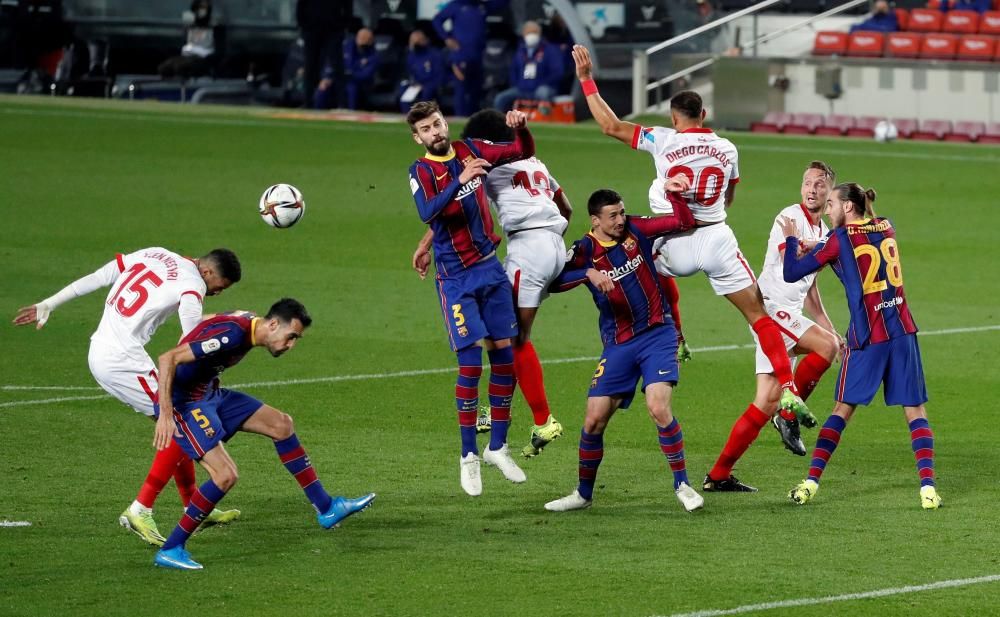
(528,371)
(744,433)
(773,345)
(669,286)
(169,462)
(808,373)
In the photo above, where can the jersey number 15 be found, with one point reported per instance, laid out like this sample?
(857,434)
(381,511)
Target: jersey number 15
(139,278)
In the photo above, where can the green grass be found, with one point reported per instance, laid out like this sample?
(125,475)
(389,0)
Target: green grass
(81,182)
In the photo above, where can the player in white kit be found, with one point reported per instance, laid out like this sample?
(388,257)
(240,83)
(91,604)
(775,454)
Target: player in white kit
(534,213)
(711,165)
(786,303)
(147,287)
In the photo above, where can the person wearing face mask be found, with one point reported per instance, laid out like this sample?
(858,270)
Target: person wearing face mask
(466,42)
(198,52)
(426,72)
(535,71)
(360,64)
(882,19)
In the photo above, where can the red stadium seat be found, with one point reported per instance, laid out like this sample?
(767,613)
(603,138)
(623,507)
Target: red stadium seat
(803,124)
(991,135)
(829,43)
(906,127)
(932,130)
(961,22)
(865,44)
(835,124)
(925,20)
(864,126)
(902,18)
(939,5)
(903,44)
(966,131)
(990,23)
(976,47)
(773,122)
(939,46)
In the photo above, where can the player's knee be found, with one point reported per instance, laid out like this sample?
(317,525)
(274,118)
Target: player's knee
(285,426)
(226,477)
(660,413)
(829,348)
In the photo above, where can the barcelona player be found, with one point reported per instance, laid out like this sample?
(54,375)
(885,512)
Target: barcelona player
(882,345)
(200,416)
(615,261)
(534,212)
(476,298)
(711,165)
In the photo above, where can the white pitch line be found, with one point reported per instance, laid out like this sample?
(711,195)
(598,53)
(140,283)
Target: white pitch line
(6,523)
(878,593)
(412,373)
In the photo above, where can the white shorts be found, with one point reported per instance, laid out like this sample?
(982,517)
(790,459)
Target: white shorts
(535,257)
(711,249)
(129,377)
(793,326)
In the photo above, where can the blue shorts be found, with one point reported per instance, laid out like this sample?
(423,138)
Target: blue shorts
(894,363)
(202,425)
(477,303)
(652,355)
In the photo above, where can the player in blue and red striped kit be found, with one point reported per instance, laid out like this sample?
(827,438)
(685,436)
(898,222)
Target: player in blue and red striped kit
(615,261)
(882,345)
(200,416)
(476,296)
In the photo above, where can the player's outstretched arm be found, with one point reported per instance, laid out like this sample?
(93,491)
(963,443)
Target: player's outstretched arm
(422,256)
(562,202)
(429,201)
(168,363)
(39,313)
(606,118)
(795,267)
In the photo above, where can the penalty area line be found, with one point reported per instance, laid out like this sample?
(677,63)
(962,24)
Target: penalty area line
(847,597)
(6,523)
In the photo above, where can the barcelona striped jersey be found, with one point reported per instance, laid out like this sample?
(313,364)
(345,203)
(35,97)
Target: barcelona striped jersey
(865,256)
(217,344)
(459,214)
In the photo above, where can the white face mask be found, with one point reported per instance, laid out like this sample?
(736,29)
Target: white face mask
(532,39)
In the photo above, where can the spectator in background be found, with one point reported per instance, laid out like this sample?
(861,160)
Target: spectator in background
(322,24)
(535,71)
(882,19)
(360,64)
(198,52)
(466,41)
(425,67)
(557,33)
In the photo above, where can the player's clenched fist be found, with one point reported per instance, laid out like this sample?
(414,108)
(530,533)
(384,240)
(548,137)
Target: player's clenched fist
(584,65)
(517,119)
(600,280)
(678,184)
(474,169)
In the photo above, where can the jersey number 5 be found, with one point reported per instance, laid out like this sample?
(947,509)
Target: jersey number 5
(139,277)
(706,184)
(893,270)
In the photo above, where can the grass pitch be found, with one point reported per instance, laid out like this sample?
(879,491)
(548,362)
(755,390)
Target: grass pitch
(84,181)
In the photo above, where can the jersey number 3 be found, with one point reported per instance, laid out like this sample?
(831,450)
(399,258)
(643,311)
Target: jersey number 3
(138,282)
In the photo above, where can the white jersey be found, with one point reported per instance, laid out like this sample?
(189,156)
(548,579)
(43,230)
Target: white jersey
(146,292)
(772,283)
(709,161)
(522,194)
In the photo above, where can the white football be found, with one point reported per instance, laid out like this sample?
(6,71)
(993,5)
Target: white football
(282,205)
(885,131)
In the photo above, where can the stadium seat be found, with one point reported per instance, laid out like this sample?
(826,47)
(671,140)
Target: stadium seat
(990,23)
(906,127)
(965,130)
(925,20)
(864,126)
(939,5)
(830,43)
(991,134)
(961,22)
(932,130)
(976,47)
(938,46)
(903,44)
(803,124)
(865,44)
(903,18)
(773,122)
(835,124)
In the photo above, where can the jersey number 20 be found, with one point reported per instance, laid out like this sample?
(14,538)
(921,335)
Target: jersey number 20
(706,184)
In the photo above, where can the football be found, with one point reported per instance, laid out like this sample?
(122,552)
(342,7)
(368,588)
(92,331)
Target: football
(885,131)
(282,206)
